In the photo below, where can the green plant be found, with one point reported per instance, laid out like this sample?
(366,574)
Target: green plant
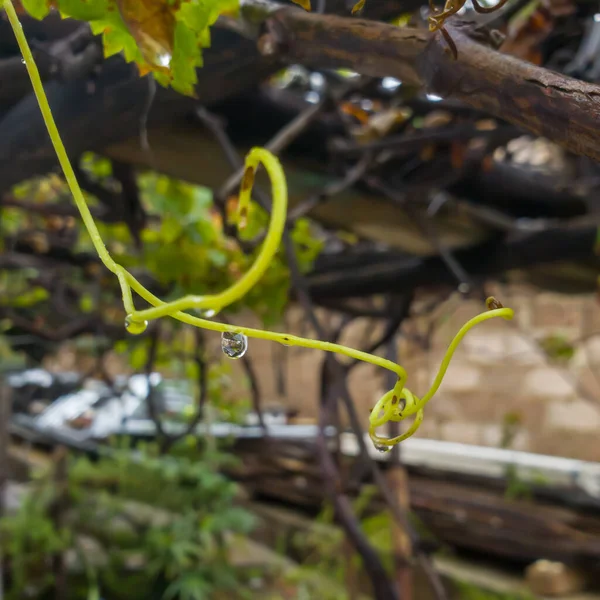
(179,543)
(324,549)
(396,405)
(468,591)
(30,539)
(162,38)
(516,488)
(558,347)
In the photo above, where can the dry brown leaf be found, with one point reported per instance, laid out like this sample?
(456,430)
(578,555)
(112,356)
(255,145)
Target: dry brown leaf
(427,152)
(381,124)
(152,24)
(355,111)
(526,34)
(486,125)
(437,118)
(487,164)
(457,155)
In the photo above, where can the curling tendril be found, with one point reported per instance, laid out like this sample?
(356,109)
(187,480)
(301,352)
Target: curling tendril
(396,405)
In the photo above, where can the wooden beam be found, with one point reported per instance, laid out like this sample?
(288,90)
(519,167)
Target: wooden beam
(541,101)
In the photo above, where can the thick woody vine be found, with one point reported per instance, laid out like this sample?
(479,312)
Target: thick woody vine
(396,405)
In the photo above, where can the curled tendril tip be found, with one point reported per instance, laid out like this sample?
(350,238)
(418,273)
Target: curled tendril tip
(400,403)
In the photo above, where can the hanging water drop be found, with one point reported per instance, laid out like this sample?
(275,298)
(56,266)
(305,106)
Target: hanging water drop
(164,60)
(383,448)
(135,327)
(206,313)
(234,345)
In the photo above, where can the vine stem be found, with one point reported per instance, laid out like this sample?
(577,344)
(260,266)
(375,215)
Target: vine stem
(396,405)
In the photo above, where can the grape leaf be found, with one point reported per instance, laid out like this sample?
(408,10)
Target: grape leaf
(186,57)
(151,23)
(117,39)
(163,37)
(82,10)
(38,9)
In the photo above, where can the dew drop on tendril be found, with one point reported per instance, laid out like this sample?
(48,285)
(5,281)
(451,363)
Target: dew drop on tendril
(382,448)
(234,345)
(207,313)
(135,327)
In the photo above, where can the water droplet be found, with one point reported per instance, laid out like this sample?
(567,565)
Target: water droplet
(164,60)
(135,327)
(23,60)
(390,84)
(207,313)
(312,97)
(234,345)
(382,448)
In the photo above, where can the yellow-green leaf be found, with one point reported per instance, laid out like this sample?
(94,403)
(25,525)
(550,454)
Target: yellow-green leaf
(38,9)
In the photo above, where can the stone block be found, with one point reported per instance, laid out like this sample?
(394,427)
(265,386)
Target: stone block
(461,378)
(548,578)
(588,380)
(445,407)
(587,354)
(521,441)
(548,382)
(460,431)
(578,415)
(430,428)
(492,435)
(556,310)
(571,444)
(493,348)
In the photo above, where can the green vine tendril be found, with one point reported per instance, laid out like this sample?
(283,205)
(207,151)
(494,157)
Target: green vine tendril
(396,405)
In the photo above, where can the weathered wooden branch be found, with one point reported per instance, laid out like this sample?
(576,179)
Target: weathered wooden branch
(473,516)
(384,273)
(548,104)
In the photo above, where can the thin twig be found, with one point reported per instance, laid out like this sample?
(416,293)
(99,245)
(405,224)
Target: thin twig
(353,175)
(382,588)
(151,399)
(254,390)
(372,562)
(202,367)
(398,315)
(293,129)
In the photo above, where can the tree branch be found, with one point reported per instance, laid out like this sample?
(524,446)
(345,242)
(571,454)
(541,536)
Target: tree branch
(560,108)
(400,273)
